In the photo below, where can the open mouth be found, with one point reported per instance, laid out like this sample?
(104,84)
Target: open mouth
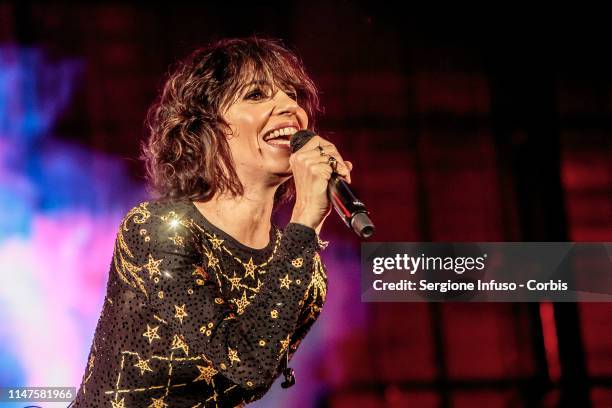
(280,137)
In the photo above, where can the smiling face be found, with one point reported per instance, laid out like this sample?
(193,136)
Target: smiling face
(262,118)
(208,130)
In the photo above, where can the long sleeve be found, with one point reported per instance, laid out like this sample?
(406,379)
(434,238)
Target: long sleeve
(179,271)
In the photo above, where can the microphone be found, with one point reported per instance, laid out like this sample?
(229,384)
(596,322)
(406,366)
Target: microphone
(350,209)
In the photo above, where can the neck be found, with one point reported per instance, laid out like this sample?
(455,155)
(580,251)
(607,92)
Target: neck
(246,218)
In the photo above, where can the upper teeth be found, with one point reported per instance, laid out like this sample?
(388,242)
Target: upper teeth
(282,132)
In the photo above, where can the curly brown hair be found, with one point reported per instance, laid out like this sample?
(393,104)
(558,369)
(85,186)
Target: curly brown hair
(186,154)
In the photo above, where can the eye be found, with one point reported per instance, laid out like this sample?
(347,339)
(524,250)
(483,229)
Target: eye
(292,94)
(255,94)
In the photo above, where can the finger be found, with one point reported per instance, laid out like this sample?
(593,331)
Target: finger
(313,143)
(318,146)
(343,168)
(323,170)
(350,168)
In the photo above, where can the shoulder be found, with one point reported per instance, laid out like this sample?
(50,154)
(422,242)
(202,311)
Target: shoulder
(157,220)
(158,211)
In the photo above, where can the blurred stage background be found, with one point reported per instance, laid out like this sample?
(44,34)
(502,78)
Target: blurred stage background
(458,132)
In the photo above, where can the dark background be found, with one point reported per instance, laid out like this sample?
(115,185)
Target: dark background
(460,129)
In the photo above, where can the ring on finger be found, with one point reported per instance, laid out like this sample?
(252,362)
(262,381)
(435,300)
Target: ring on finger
(333,163)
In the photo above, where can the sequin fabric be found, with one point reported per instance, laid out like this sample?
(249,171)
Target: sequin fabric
(193,318)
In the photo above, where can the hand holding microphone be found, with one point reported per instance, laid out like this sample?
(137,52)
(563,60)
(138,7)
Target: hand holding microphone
(319,175)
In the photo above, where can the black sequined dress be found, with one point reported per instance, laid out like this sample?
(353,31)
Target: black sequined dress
(193,318)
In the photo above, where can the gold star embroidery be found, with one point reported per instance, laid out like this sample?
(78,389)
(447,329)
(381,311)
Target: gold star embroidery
(232,355)
(179,343)
(274,313)
(143,365)
(242,303)
(212,260)
(235,280)
(285,344)
(177,239)
(216,242)
(158,403)
(206,374)
(297,262)
(284,282)
(118,404)
(249,268)
(153,266)
(180,312)
(151,333)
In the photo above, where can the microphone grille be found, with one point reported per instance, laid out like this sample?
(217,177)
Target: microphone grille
(299,139)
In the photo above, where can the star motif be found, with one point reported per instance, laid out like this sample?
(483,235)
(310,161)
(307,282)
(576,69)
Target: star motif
(284,282)
(249,268)
(216,242)
(212,260)
(179,343)
(118,404)
(297,262)
(235,280)
(151,333)
(153,266)
(242,303)
(180,312)
(232,355)
(177,239)
(285,344)
(157,403)
(206,374)
(143,365)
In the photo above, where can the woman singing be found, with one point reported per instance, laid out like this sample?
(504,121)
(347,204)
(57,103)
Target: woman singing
(207,300)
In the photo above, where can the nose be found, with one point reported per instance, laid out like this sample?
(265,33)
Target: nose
(285,104)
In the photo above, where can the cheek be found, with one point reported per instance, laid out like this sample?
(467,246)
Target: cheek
(250,122)
(302,118)
(244,131)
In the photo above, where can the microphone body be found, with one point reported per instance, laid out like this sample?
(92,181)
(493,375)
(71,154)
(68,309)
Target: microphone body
(350,209)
